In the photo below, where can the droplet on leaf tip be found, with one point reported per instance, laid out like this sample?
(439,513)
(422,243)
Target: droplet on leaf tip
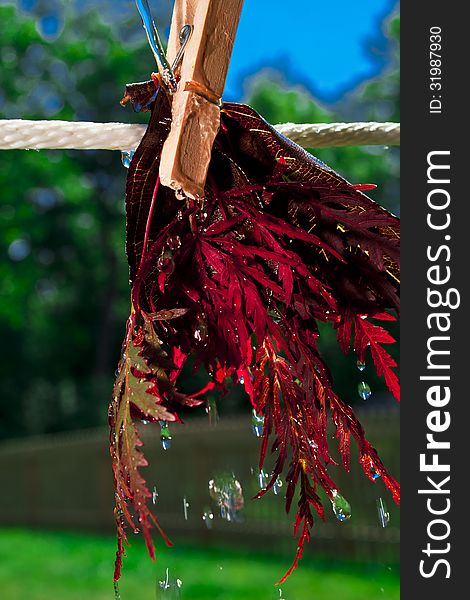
(341,507)
(126,157)
(360,365)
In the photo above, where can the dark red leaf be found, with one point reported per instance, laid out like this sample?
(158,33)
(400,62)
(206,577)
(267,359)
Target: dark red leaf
(278,243)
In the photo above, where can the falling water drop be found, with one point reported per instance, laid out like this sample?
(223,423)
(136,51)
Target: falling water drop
(277,486)
(263,479)
(227,491)
(208,517)
(360,365)
(341,507)
(363,389)
(185,508)
(154,495)
(257,423)
(126,157)
(165,435)
(382,511)
(169,588)
(212,412)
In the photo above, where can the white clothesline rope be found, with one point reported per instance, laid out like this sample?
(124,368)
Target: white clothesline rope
(41,135)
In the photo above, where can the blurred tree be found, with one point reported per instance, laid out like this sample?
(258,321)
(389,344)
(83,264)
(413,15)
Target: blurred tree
(63,274)
(64,281)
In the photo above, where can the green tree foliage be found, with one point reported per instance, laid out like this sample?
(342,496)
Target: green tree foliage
(63,274)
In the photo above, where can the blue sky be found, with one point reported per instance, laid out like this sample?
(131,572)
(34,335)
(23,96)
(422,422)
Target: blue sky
(328,47)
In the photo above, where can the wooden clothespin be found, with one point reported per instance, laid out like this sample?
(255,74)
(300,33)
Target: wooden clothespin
(196,103)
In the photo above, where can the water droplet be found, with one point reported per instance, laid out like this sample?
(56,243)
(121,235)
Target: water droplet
(277,486)
(169,588)
(263,479)
(361,365)
(363,389)
(174,242)
(185,508)
(154,495)
(117,594)
(212,412)
(126,157)
(382,511)
(165,264)
(374,474)
(179,215)
(144,422)
(227,491)
(257,423)
(208,517)
(241,380)
(341,507)
(275,316)
(165,435)
(200,333)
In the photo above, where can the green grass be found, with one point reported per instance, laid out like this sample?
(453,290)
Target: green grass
(36,565)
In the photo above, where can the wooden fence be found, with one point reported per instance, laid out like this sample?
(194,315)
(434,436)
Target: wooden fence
(64,481)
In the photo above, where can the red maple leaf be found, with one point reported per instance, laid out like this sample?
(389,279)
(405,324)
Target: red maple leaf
(278,243)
